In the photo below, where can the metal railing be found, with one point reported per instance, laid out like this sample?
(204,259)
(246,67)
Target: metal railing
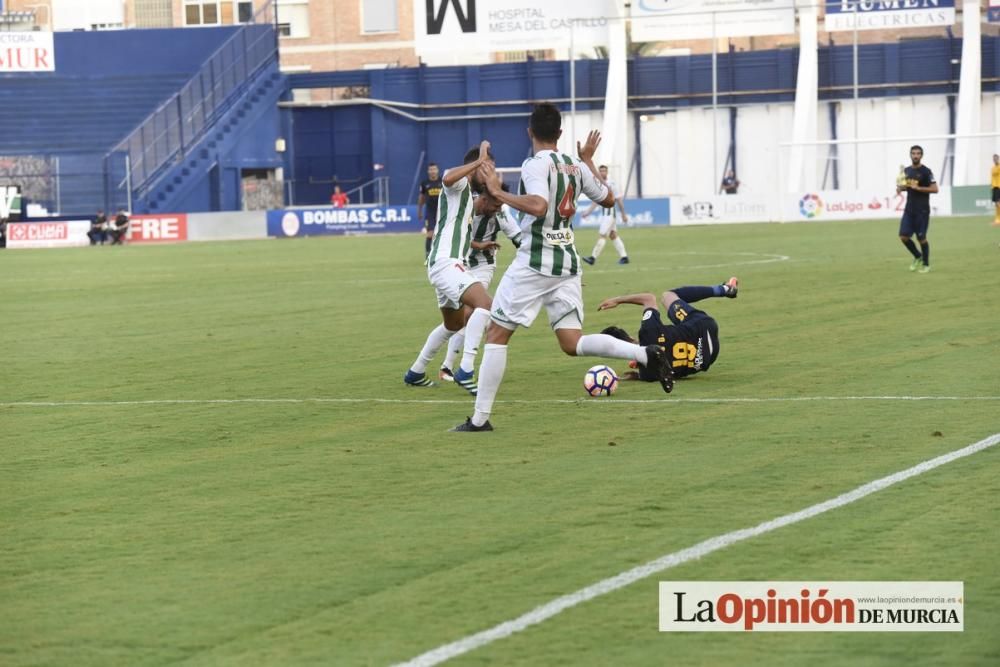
(372,192)
(166,136)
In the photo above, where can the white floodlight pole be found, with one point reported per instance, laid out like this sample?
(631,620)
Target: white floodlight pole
(572,86)
(715,105)
(857,147)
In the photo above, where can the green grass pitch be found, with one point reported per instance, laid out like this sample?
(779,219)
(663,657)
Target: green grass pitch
(363,533)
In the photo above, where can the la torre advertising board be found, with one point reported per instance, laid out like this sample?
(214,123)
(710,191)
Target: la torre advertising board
(888,14)
(722,209)
(509,25)
(327,220)
(659,20)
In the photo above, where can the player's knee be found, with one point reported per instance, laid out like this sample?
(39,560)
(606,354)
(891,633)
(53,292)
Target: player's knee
(613,235)
(476,296)
(904,239)
(922,239)
(497,334)
(668,298)
(569,340)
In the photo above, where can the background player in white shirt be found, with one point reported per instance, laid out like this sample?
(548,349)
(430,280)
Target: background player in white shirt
(546,269)
(609,222)
(448,270)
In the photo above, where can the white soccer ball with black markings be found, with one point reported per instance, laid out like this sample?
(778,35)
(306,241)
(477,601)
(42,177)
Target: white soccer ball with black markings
(600,381)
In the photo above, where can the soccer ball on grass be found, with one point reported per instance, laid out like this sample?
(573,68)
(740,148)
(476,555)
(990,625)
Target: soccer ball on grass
(600,381)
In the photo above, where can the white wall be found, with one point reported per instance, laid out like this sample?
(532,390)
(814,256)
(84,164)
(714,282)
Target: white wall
(677,145)
(916,118)
(79,15)
(990,120)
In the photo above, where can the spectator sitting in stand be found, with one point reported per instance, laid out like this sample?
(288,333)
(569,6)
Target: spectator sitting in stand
(98,233)
(119,228)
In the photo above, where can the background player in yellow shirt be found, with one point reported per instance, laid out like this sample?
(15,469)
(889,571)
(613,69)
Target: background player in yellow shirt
(995,184)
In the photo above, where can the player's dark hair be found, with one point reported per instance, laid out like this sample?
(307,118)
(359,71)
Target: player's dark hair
(473,154)
(431,164)
(546,121)
(618,333)
(919,148)
(505,187)
(603,166)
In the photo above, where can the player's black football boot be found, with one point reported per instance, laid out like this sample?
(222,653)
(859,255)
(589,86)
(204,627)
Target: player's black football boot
(659,364)
(469,427)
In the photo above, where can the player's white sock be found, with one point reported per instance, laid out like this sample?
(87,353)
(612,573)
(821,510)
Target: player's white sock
(474,328)
(490,375)
(454,347)
(598,247)
(435,340)
(620,246)
(603,345)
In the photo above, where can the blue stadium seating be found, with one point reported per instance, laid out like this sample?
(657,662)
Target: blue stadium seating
(108,83)
(61,114)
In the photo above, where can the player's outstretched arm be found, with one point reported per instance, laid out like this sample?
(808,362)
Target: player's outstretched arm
(530,204)
(586,153)
(455,174)
(590,210)
(645,299)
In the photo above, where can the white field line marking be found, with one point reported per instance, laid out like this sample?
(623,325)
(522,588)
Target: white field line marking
(449,401)
(768,258)
(560,604)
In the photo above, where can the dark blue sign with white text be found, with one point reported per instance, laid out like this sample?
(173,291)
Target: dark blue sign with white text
(326,220)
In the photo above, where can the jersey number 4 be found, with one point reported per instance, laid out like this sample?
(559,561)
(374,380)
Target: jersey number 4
(567,206)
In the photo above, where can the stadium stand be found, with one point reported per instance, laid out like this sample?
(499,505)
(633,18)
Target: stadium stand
(112,87)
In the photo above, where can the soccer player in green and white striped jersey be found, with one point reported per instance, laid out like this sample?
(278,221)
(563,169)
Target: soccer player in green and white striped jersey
(486,228)
(546,270)
(447,268)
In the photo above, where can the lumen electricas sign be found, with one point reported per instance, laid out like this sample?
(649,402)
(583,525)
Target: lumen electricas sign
(888,14)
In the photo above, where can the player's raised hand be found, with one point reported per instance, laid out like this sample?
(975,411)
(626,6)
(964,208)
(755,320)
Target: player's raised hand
(484,150)
(608,304)
(487,175)
(587,150)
